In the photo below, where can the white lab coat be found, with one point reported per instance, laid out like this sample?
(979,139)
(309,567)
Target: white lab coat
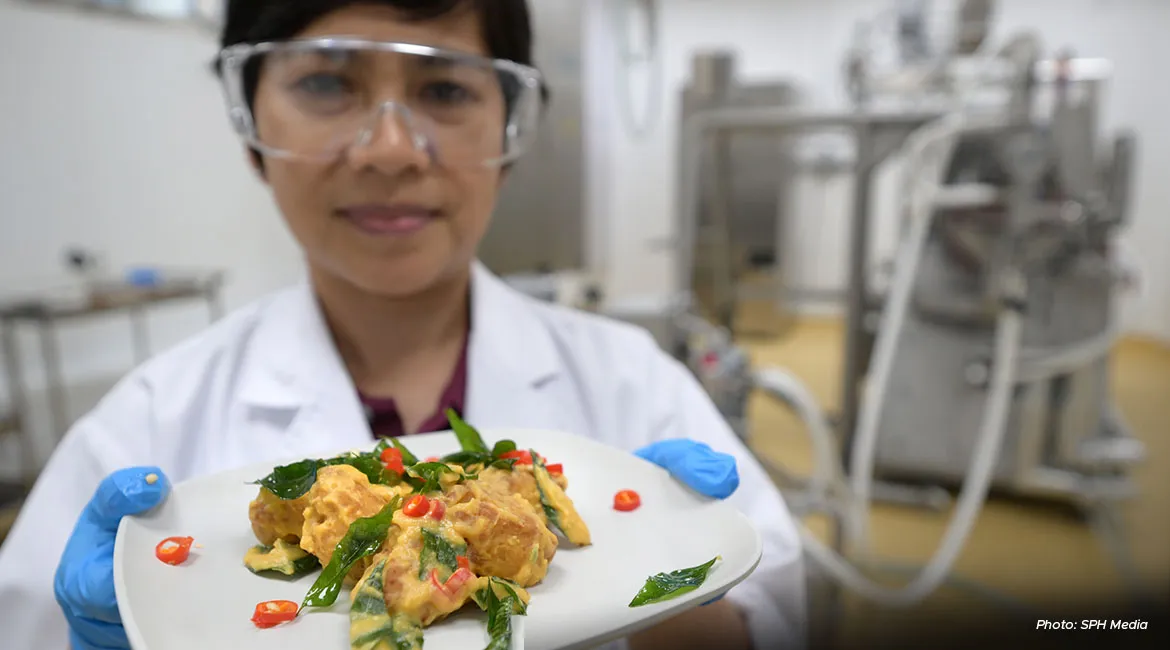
(267,382)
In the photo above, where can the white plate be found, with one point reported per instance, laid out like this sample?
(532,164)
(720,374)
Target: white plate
(208,601)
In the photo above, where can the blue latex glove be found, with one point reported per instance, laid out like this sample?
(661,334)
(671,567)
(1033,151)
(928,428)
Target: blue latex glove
(705,470)
(84,584)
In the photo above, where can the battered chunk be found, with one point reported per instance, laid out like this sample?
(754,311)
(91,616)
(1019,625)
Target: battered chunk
(274,518)
(340,496)
(506,536)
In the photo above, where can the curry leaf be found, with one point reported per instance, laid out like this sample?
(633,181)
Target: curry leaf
(371,627)
(469,438)
(426,477)
(407,457)
(295,480)
(438,552)
(665,586)
(502,447)
(291,481)
(371,466)
(364,538)
(467,458)
(499,612)
(539,470)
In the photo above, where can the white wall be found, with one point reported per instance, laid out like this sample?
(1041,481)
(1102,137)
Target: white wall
(113,137)
(804,41)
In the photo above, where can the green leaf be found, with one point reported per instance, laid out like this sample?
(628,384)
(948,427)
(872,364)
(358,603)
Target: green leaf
(291,481)
(502,447)
(437,552)
(371,466)
(407,457)
(665,586)
(499,612)
(469,438)
(371,627)
(553,515)
(295,480)
(504,463)
(467,458)
(282,558)
(364,538)
(425,477)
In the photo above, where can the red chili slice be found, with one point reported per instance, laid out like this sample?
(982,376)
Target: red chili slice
(556,469)
(274,612)
(451,588)
(626,501)
(437,510)
(392,459)
(522,457)
(463,562)
(416,506)
(174,550)
(457,580)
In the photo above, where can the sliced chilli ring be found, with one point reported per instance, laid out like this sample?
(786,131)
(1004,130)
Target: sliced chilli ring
(626,501)
(174,550)
(416,506)
(271,613)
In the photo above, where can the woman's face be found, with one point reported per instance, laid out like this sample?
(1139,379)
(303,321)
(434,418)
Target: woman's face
(384,216)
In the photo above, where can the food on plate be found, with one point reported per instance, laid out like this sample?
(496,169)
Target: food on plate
(174,550)
(418,540)
(626,501)
(666,586)
(282,557)
(274,612)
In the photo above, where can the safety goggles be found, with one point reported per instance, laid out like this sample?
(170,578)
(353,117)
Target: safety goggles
(317,99)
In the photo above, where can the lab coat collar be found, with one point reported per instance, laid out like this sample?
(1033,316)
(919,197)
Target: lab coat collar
(293,361)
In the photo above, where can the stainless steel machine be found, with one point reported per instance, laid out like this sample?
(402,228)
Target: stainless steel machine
(1042,190)
(986,361)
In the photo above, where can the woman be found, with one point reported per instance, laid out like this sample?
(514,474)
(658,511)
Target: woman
(385,161)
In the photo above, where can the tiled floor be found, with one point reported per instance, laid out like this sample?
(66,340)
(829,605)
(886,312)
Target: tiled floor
(1040,555)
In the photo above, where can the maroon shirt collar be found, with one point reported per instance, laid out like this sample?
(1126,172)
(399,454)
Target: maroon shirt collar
(382,413)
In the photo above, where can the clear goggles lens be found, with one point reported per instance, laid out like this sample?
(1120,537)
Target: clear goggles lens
(318,99)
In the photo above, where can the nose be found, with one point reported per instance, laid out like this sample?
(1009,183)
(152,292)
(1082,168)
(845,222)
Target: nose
(393,141)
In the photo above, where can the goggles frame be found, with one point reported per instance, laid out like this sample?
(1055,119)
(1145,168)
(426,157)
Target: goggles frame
(233,60)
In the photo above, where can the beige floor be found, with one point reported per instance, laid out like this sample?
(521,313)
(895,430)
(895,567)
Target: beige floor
(1036,554)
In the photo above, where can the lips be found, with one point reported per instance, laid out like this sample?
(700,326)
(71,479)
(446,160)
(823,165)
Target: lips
(396,219)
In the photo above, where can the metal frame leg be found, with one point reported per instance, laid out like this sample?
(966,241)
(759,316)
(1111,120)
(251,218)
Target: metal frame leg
(55,379)
(14,377)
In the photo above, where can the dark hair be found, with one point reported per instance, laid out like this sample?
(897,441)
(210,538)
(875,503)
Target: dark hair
(506,24)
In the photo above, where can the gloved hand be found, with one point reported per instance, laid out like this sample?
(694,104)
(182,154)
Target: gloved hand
(84,584)
(705,470)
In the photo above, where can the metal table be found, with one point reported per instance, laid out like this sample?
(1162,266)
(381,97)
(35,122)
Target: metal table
(45,314)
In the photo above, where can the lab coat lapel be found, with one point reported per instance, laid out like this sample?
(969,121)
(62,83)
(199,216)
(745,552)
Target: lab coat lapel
(512,360)
(294,371)
(295,374)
